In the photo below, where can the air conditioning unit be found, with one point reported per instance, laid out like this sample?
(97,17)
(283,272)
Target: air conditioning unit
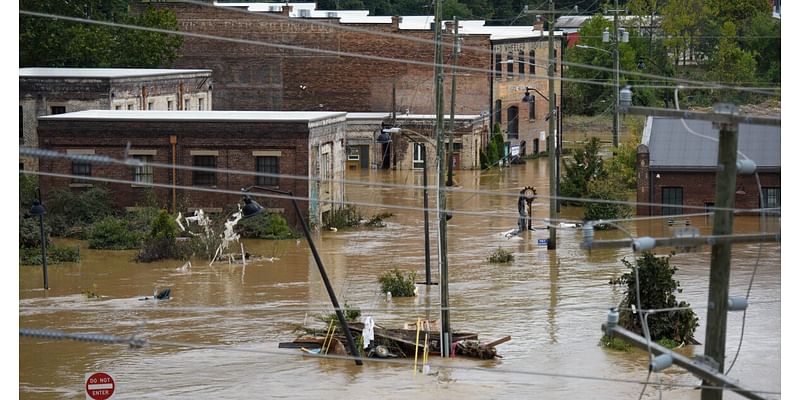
(306,13)
(332,14)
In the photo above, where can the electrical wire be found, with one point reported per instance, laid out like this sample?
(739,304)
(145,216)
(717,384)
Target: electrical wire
(111,339)
(365,56)
(41,153)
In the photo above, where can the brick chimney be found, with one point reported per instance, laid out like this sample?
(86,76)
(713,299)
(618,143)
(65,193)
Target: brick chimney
(643,179)
(448,27)
(538,23)
(286,10)
(396,20)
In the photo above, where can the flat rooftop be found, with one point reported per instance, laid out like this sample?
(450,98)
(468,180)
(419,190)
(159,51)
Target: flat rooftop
(104,73)
(232,116)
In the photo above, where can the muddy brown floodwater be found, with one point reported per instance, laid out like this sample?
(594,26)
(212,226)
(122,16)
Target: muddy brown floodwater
(551,303)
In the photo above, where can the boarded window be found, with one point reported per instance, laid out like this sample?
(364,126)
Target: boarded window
(268,165)
(672,196)
(204,178)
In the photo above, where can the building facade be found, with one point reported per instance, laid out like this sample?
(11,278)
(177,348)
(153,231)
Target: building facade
(281,75)
(279,150)
(48,91)
(676,167)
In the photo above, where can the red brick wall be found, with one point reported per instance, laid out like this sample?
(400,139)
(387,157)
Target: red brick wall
(235,142)
(254,77)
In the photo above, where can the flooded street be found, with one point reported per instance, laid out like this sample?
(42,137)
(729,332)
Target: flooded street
(551,303)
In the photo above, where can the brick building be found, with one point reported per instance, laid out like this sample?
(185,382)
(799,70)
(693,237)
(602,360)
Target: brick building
(265,77)
(364,151)
(676,167)
(305,144)
(46,91)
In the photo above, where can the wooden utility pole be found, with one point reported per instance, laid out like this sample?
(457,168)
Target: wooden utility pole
(615,128)
(446,337)
(719,277)
(456,50)
(551,140)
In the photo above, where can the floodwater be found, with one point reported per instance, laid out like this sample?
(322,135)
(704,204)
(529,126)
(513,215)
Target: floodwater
(218,337)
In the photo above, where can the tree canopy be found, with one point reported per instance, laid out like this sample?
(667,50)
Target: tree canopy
(45,42)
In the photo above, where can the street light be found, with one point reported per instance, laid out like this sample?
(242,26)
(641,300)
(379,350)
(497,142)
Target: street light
(252,208)
(583,46)
(385,138)
(38,210)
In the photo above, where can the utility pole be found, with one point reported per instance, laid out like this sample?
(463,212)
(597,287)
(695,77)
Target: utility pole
(615,128)
(719,277)
(446,336)
(551,140)
(456,50)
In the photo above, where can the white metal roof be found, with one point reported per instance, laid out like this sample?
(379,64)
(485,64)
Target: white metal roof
(105,73)
(233,116)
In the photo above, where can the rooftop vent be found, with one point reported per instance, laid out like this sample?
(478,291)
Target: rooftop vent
(305,13)
(332,14)
(274,8)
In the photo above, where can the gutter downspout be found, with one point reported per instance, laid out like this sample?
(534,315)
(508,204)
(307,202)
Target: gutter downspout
(173,140)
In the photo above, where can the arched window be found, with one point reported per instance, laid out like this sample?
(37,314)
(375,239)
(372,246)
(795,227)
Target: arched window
(522,63)
(498,111)
(510,65)
(513,122)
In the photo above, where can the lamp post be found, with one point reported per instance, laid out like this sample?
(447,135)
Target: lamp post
(384,138)
(38,210)
(252,208)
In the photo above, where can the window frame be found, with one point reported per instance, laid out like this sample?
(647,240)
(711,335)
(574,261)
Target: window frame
(776,194)
(512,127)
(262,165)
(204,178)
(671,208)
(141,172)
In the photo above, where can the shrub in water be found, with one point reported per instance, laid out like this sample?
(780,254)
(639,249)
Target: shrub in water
(114,234)
(501,256)
(55,255)
(266,226)
(344,217)
(401,285)
(377,220)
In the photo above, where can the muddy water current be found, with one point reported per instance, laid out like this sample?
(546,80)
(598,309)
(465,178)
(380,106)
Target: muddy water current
(218,336)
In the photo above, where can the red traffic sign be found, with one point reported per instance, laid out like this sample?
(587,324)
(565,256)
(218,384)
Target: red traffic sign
(99,386)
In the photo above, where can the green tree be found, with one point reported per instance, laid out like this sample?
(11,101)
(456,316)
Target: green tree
(45,42)
(733,65)
(684,21)
(606,189)
(585,166)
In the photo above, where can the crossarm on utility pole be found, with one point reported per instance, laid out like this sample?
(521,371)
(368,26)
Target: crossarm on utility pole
(692,241)
(696,367)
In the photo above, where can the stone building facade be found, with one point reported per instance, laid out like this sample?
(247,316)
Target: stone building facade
(289,144)
(47,91)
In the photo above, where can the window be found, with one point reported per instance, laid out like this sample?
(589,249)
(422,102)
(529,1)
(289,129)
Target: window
(532,60)
(353,153)
(555,60)
(513,122)
(150,105)
(143,173)
(58,110)
(169,105)
(130,107)
(510,65)
(522,63)
(532,108)
(772,197)
(118,107)
(268,165)
(419,156)
(204,178)
(498,111)
(21,134)
(200,104)
(187,104)
(79,169)
(498,66)
(671,196)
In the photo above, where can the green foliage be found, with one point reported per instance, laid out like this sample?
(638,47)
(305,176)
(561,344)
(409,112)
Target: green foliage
(377,220)
(55,255)
(345,217)
(397,283)
(114,234)
(501,256)
(351,314)
(29,231)
(607,189)
(495,149)
(46,42)
(657,289)
(71,213)
(585,166)
(27,192)
(266,226)
(622,167)
(163,226)
(733,65)
(615,343)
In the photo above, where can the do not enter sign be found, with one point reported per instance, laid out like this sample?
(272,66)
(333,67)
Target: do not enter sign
(99,386)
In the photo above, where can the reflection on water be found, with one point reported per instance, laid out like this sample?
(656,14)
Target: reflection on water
(551,303)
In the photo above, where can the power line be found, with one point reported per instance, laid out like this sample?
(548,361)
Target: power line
(111,339)
(43,153)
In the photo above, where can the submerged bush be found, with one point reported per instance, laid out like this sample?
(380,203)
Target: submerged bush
(55,255)
(114,234)
(501,256)
(397,283)
(377,220)
(345,217)
(266,226)
(351,314)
